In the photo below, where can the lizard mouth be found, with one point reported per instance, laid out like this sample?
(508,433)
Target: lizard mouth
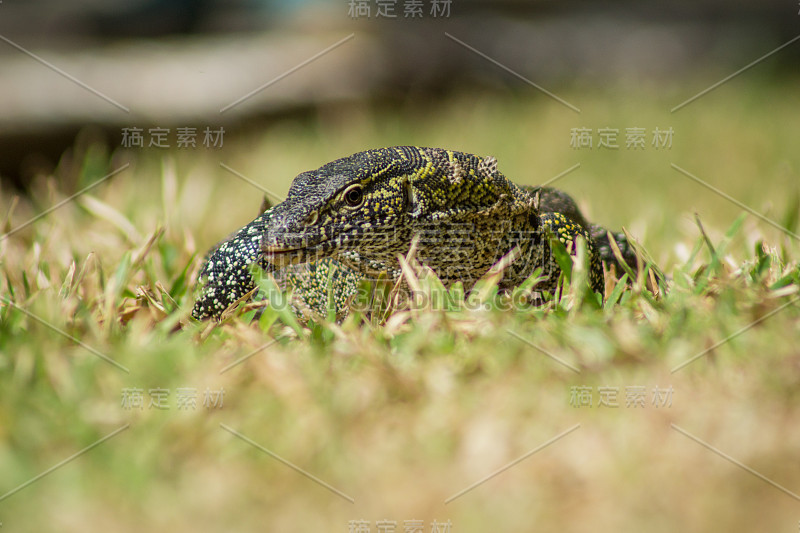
(280,256)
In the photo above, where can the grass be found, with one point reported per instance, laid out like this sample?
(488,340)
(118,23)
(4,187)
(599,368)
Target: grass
(404,415)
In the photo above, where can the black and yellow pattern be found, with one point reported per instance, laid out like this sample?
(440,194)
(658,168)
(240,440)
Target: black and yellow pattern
(567,230)
(351,218)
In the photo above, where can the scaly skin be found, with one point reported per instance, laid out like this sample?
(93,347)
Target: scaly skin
(226,275)
(355,215)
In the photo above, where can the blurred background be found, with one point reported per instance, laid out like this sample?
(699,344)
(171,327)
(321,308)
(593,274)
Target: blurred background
(275,87)
(177,63)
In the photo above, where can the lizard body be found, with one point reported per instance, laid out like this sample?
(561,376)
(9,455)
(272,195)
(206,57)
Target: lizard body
(351,218)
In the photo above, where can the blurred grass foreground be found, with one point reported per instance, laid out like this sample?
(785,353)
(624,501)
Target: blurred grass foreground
(670,410)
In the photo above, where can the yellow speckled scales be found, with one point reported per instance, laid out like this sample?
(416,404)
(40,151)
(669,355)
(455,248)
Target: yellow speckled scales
(351,218)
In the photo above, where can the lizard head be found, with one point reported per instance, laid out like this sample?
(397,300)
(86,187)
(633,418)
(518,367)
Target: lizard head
(373,203)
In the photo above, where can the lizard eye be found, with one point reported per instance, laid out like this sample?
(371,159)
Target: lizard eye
(311,219)
(354,196)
